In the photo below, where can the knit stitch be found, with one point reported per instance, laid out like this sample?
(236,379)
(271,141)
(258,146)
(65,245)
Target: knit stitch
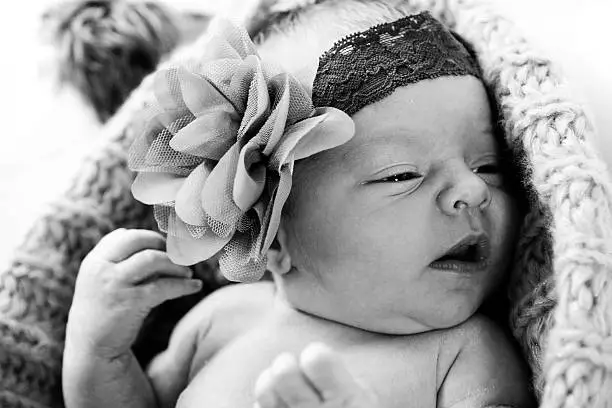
(560,287)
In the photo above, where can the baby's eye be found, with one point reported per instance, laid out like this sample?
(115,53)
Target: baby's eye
(492,168)
(398,178)
(400,183)
(490,173)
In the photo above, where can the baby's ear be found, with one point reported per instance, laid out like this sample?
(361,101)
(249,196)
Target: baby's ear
(279,260)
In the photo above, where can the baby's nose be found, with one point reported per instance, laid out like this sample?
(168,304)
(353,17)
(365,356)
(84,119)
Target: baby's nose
(465,191)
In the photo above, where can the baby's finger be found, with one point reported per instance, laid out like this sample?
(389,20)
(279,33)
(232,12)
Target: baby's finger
(327,372)
(122,243)
(159,290)
(290,383)
(265,394)
(148,264)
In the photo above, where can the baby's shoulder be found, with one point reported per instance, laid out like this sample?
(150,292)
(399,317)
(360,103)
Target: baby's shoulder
(478,330)
(230,310)
(478,336)
(240,301)
(484,360)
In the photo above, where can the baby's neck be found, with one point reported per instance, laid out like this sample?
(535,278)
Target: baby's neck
(305,297)
(286,314)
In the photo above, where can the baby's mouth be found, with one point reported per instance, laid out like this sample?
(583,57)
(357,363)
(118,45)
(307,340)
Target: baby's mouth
(471,254)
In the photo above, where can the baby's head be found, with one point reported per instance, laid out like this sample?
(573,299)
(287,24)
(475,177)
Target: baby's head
(408,226)
(395,219)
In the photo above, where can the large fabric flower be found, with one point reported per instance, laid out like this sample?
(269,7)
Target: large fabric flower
(215,156)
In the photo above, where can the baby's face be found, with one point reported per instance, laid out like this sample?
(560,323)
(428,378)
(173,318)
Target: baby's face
(407,227)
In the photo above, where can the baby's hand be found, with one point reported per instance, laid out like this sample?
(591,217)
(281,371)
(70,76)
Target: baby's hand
(119,282)
(318,380)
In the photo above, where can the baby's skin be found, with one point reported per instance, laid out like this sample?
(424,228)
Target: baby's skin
(388,246)
(282,358)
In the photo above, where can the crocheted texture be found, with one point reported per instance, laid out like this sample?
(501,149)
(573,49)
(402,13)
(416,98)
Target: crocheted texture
(367,66)
(37,285)
(560,289)
(561,304)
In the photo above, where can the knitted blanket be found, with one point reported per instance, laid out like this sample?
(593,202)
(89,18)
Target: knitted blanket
(560,288)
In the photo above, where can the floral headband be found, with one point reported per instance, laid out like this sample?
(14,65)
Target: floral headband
(216,152)
(216,156)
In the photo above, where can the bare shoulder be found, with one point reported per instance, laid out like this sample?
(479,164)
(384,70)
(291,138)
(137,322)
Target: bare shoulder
(477,331)
(487,368)
(205,329)
(228,312)
(243,300)
(242,296)
(221,315)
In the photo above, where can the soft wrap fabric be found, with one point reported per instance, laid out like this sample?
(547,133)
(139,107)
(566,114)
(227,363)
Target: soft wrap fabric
(561,287)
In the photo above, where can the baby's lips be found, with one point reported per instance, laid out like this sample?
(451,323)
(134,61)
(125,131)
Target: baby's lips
(479,242)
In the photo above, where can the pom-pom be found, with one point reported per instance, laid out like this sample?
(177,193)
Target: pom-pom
(106,47)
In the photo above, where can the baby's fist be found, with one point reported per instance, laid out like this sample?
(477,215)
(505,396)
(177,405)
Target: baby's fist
(119,282)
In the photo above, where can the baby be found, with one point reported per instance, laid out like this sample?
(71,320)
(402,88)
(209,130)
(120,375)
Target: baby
(382,215)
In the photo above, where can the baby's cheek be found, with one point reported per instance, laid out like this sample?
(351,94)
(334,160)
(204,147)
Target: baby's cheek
(309,238)
(509,220)
(505,225)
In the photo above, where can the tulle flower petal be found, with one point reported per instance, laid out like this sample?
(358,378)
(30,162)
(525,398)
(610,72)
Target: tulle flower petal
(216,195)
(187,198)
(215,154)
(209,136)
(156,188)
(273,215)
(189,251)
(250,177)
(200,95)
(258,99)
(336,129)
(165,86)
(224,32)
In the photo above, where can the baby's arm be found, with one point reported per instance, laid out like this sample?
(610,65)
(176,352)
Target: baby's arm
(487,372)
(169,371)
(120,281)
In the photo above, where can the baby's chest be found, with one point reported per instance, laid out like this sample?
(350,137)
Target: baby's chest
(398,373)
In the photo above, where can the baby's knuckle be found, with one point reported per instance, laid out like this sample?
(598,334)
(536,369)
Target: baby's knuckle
(111,236)
(144,234)
(151,256)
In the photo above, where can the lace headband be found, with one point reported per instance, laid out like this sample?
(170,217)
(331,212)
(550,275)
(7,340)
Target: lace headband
(215,152)
(367,66)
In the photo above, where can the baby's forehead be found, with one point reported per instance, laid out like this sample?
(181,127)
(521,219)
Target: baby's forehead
(426,114)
